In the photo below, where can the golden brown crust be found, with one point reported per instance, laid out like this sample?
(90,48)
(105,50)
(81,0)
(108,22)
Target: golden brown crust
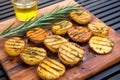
(101,45)
(99,29)
(50,69)
(37,35)
(61,27)
(81,17)
(70,53)
(33,55)
(14,46)
(79,34)
(53,42)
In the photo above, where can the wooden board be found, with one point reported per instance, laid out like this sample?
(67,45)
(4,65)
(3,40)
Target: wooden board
(92,63)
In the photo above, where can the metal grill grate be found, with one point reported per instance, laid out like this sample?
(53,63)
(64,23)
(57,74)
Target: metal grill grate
(6,9)
(107,10)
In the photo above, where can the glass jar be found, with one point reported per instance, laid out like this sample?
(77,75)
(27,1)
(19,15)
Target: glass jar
(25,9)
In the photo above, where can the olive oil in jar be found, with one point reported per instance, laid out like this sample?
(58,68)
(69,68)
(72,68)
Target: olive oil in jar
(25,9)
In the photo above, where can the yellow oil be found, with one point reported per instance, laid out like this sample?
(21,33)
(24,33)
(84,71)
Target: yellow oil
(25,11)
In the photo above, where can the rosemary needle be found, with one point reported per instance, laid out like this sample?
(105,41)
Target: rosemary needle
(45,19)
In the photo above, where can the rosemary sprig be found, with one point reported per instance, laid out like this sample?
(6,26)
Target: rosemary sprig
(45,19)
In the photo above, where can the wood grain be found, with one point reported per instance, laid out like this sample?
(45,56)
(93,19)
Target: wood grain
(92,63)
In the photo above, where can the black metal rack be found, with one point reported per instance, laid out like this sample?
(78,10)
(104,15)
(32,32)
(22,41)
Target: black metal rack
(107,10)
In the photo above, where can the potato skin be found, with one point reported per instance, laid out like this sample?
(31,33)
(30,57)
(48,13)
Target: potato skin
(50,69)
(101,45)
(79,34)
(81,17)
(33,55)
(70,53)
(99,29)
(60,28)
(14,46)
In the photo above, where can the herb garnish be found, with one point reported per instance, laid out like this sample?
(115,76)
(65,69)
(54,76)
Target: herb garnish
(31,52)
(45,19)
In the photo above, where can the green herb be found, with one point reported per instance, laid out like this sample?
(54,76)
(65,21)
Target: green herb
(31,52)
(79,13)
(78,55)
(45,19)
(63,24)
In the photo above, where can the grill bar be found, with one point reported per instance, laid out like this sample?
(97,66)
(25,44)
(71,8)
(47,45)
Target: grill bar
(98,11)
(4,3)
(108,11)
(106,74)
(116,77)
(100,5)
(6,9)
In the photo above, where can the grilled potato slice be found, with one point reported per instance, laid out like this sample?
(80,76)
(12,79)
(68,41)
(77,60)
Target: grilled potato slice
(37,35)
(79,34)
(50,69)
(14,46)
(53,42)
(81,17)
(99,29)
(33,55)
(61,27)
(101,45)
(70,53)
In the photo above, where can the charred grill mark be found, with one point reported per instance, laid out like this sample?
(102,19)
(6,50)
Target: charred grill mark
(34,31)
(33,52)
(51,64)
(57,43)
(51,40)
(103,40)
(38,35)
(15,44)
(51,61)
(99,27)
(15,41)
(71,58)
(80,35)
(79,32)
(49,71)
(66,59)
(84,35)
(77,46)
(75,31)
(102,45)
(40,51)
(71,51)
(14,48)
